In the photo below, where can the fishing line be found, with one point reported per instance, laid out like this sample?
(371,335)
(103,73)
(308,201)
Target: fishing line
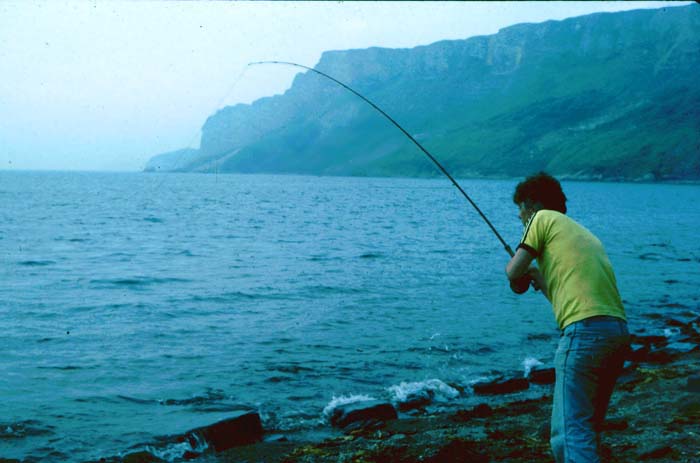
(218,105)
(179,158)
(425,151)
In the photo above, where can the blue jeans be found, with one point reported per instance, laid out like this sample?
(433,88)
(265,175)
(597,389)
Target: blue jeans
(589,359)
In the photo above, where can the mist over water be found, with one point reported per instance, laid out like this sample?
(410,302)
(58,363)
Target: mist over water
(136,306)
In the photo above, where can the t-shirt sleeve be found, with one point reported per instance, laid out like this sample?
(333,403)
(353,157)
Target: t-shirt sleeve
(533,238)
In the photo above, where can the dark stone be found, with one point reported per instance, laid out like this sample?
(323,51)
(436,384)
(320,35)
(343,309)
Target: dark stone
(618,424)
(630,379)
(655,341)
(654,454)
(362,412)
(676,323)
(649,354)
(686,328)
(460,451)
(501,386)
(243,429)
(525,407)
(141,457)
(661,356)
(542,376)
(638,354)
(694,383)
(416,400)
(688,412)
(480,411)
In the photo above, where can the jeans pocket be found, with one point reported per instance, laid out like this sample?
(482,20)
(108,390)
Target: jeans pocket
(588,351)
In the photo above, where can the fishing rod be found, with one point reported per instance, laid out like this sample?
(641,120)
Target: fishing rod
(425,151)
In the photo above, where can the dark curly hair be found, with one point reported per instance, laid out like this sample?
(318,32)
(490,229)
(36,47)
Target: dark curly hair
(541,188)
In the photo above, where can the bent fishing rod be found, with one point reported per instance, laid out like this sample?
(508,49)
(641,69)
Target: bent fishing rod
(425,151)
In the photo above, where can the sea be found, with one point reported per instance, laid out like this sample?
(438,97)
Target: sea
(136,306)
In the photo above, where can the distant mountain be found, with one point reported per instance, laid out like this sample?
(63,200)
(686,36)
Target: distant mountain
(602,96)
(171,161)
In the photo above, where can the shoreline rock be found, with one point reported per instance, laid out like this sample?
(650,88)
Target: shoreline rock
(499,386)
(364,414)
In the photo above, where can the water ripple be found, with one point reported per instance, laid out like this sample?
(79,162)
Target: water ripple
(36,263)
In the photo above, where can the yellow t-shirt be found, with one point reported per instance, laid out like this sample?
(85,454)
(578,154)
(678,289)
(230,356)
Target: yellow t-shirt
(574,264)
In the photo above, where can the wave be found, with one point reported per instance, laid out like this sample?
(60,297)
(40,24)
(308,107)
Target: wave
(425,392)
(323,258)
(325,289)
(278,379)
(371,255)
(431,390)
(265,293)
(207,398)
(65,368)
(22,429)
(136,400)
(540,336)
(137,281)
(291,368)
(36,263)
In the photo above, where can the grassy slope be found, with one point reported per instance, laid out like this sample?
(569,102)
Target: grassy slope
(614,99)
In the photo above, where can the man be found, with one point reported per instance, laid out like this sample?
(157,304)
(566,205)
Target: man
(574,273)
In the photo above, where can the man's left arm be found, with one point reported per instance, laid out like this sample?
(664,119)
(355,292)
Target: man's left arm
(520,266)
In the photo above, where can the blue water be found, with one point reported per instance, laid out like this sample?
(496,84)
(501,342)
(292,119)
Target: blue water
(135,306)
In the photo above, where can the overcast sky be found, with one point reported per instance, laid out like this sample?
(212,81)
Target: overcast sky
(105,85)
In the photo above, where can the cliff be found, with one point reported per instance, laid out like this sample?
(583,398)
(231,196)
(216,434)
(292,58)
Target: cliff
(602,96)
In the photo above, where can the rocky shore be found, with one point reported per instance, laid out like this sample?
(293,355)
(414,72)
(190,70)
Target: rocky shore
(654,416)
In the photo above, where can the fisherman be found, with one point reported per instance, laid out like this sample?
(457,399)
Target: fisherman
(574,273)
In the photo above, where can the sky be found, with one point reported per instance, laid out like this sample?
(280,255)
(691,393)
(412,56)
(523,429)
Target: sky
(106,85)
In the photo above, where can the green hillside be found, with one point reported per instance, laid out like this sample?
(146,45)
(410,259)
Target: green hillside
(603,96)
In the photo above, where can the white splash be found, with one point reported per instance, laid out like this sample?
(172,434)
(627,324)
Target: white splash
(176,451)
(529,363)
(434,388)
(343,400)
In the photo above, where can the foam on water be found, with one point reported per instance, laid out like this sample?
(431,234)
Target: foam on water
(343,400)
(176,450)
(433,388)
(529,363)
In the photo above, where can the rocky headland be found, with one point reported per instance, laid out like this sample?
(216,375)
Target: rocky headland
(607,96)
